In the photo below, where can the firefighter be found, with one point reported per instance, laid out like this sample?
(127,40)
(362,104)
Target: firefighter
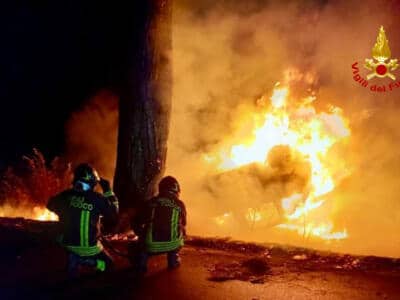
(79,210)
(161,226)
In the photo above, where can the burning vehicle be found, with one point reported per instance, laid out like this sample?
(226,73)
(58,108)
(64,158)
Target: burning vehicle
(287,146)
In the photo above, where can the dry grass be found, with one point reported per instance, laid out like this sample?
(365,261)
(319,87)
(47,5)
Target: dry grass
(33,180)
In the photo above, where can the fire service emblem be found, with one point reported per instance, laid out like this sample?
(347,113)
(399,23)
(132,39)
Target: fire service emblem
(380,65)
(381,53)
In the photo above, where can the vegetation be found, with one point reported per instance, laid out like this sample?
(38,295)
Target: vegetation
(32,181)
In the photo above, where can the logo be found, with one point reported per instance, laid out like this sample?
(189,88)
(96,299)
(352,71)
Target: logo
(381,53)
(78,202)
(379,66)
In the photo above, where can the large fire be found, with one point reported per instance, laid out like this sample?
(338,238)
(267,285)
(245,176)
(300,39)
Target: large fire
(36,213)
(43,214)
(291,126)
(293,123)
(26,187)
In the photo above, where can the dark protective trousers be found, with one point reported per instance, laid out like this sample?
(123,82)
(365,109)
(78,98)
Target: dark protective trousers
(100,262)
(142,257)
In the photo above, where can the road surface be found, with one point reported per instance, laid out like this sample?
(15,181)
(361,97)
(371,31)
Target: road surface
(192,281)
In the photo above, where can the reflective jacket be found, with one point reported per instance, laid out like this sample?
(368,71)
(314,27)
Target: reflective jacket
(161,223)
(79,214)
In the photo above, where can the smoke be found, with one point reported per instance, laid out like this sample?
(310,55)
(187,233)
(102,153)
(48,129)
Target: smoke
(226,55)
(91,133)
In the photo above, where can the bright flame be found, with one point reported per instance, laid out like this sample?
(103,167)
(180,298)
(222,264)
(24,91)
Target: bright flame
(43,214)
(308,134)
(278,98)
(36,213)
(222,219)
(323,231)
(304,209)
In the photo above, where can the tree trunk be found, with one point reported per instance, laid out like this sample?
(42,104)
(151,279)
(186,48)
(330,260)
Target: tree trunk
(145,103)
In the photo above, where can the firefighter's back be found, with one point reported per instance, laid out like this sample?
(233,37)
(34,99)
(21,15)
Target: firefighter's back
(80,217)
(164,233)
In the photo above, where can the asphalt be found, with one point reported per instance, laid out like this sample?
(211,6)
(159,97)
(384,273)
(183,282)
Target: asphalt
(38,273)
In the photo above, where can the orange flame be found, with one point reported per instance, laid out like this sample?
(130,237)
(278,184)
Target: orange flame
(306,132)
(43,214)
(35,213)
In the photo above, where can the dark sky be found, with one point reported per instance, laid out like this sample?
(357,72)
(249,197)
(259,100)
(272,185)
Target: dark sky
(53,56)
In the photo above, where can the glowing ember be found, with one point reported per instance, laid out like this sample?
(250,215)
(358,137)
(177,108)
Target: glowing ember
(308,134)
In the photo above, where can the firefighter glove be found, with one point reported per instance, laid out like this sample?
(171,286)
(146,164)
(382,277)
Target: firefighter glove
(105,185)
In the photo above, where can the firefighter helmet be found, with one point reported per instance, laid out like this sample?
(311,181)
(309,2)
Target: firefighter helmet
(169,184)
(87,174)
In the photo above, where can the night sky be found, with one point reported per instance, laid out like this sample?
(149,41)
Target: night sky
(54,55)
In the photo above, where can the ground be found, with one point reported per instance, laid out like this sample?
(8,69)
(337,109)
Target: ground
(33,268)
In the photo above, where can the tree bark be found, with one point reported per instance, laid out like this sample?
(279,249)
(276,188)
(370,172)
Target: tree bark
(145,104)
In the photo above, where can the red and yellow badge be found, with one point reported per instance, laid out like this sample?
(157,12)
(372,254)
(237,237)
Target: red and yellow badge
(381,53)
(381,66)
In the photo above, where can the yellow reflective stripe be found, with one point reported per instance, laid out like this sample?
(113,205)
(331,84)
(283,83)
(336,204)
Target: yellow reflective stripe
(85,251)
(156,247)
(82,225)
(87,213)
(174,224)
(84,228)
(108,194)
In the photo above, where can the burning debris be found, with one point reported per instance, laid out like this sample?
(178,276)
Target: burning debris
(288,144)
(300,257)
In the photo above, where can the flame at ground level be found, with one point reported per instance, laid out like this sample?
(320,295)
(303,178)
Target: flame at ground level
(290,129)
(323,231)
(28,212)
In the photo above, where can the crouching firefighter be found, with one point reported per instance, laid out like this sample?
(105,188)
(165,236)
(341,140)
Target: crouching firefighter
(79,210)
(160,226)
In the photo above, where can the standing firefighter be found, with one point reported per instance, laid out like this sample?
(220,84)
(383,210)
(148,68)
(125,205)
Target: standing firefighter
(161,225)
(79,210)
